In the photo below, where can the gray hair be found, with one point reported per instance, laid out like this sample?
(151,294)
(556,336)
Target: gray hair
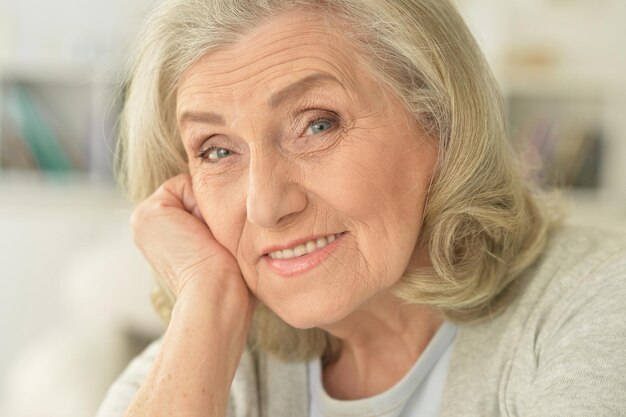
(484,222)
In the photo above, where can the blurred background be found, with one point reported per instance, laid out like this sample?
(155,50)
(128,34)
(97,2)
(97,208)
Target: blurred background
(74,291)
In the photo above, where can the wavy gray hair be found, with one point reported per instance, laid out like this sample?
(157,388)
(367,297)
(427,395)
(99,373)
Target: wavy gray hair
(484,223)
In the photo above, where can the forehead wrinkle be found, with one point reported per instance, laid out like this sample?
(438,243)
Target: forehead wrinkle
(319,85)
(259,44)
(287,31)
(260,40)
(340,72)
(344,73)
(285,56)
(343,68)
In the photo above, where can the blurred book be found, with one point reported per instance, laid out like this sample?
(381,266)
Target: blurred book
(564,152)
(28,119)
(15,153)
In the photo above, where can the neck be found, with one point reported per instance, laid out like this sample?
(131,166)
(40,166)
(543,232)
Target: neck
(380,342)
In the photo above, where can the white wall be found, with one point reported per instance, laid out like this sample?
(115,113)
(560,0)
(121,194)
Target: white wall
(74,31)
(45,234)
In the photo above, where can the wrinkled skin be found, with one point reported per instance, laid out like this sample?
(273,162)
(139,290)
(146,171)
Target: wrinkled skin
(340,153)
(278,178)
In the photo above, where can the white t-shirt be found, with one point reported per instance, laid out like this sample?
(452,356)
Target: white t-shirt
(418,393)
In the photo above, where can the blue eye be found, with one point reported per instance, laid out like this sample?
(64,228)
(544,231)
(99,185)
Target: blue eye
(319,126)
(216,154)
(213,154)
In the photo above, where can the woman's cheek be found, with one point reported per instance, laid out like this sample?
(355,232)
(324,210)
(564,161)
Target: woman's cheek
(213,214)
(226,234)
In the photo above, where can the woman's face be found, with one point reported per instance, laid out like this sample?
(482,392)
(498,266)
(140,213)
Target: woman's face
(299,142)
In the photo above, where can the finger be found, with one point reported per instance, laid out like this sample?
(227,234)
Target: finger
(180,188)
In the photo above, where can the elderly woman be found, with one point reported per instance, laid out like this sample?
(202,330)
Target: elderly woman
(326,191)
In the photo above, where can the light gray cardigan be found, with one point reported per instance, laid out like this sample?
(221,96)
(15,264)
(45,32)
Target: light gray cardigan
(558,350)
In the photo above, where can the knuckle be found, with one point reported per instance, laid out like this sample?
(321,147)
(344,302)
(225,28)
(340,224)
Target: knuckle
(137,219)
(135,226)
(134,219)
(176,179)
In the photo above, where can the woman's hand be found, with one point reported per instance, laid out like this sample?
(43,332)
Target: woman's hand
(170,231)
(211,318)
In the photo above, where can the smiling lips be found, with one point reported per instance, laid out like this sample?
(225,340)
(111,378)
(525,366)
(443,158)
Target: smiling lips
(294,261)
(304,248)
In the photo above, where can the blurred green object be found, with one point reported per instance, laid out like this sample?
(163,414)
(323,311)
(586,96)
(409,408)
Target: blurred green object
(40,138)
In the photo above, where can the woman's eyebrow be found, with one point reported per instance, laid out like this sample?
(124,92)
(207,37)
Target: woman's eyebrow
(293,90)
(202,117)
(299,87)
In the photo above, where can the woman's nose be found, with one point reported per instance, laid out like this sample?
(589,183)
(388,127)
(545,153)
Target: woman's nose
(274,194)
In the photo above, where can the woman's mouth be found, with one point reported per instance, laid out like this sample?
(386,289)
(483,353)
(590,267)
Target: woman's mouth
(304,257)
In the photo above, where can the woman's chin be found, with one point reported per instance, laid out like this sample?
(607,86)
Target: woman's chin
(307,317)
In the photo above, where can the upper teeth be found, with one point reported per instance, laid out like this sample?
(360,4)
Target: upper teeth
(304,248)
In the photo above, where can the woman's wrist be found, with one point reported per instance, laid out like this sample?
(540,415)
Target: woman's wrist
(216,313)
(189,377)
(200,353)
(221,297)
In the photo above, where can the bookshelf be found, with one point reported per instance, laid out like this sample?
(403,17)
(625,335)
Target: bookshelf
(561,72)
(56,120)
(59,70)
(560,129)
